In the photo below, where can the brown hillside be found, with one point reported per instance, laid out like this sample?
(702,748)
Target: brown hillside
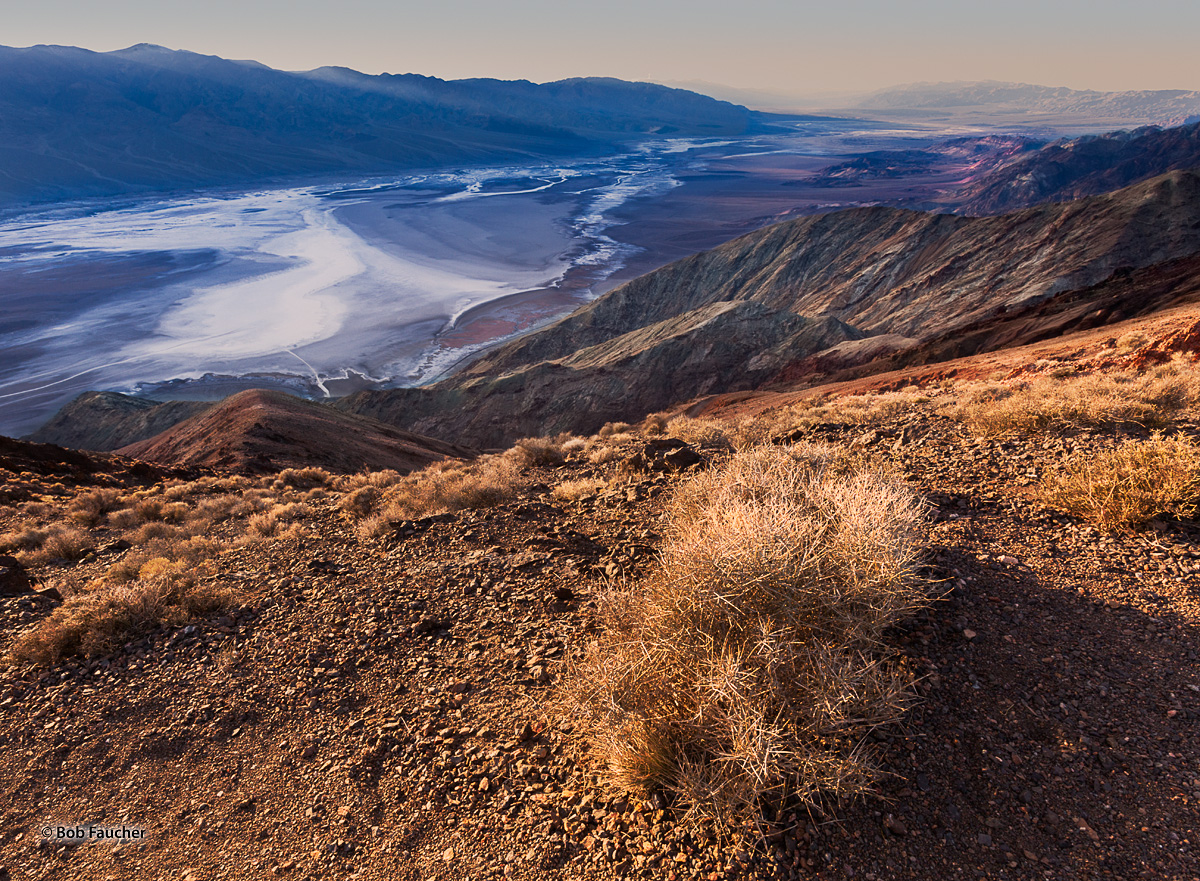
(269,431)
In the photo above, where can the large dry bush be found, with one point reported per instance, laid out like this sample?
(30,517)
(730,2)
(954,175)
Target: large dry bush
(97,622)
(1153,399)
(1129,484)
(754,660)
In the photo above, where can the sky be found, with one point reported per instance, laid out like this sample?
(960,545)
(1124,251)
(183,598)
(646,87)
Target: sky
(782,46)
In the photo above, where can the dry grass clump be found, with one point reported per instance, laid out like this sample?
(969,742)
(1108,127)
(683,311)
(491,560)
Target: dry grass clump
(40,544)
(1130,484)
(574,445)
(753,661)
(272,523)
(540,450)
(655,424)
(709,433)
(1152,399)
(872,408)
(301,478)
(613,429)
(450,485)
(604,454)
(89,508)
(361,502)
(377,479)
(95,623)
(573,490)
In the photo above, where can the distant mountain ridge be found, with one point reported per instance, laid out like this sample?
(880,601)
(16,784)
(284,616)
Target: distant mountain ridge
(1159,107)
(76,123)
(1086,166)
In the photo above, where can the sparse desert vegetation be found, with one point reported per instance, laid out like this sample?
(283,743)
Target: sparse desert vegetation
(98,622)
(1130,484)
(750,662)
(1152,398)
(748,639)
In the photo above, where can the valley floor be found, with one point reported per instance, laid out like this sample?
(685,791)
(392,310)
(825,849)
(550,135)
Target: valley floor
(383,709)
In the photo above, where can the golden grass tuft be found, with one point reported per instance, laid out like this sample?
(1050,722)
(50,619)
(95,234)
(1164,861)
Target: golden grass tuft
(301,478)
(89,508)
(574,490)
(94,623)
(1130,484)
(450,485)
(35,545)
(1153,398)
(753,661)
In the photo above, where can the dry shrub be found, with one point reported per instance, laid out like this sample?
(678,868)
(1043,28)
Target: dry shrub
(36,545)
(1153,399)
(753,661)
(126,518)
(612,429)
(361,502)
(604,454)
(38,510)
(251,502)
(89,508)
(539,451)
(155,531)
(214,509)
(872,408)
(714,434)
(302,478)
(265,524)
(655,424)
(1130,484)
(378,479)
(26,539)
(64,543)
(573,490)
(574,445)
(448,486)
(95,623)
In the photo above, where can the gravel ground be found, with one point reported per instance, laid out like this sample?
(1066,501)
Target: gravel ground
(383,708)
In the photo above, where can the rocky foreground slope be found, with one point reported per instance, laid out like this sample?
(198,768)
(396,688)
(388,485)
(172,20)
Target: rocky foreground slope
(383,704)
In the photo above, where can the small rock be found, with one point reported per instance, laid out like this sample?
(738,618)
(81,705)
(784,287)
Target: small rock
(970,634)
(984,839)
(448,854)
(14,580)
(895,825)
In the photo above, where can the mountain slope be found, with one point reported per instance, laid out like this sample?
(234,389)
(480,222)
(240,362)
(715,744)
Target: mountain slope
(899,277)
(77,123)
(106,421)
(270,431)
(833,295)
(1072,169)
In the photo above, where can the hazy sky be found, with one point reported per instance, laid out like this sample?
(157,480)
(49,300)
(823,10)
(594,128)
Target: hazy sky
(778,45)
